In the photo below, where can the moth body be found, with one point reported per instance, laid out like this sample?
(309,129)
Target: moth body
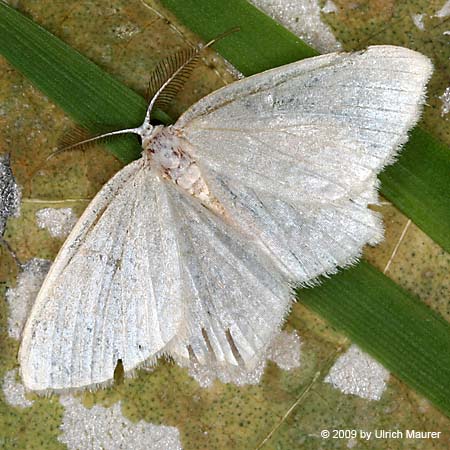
(165,150)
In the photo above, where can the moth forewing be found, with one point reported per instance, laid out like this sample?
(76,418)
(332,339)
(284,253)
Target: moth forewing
(293,153)
(103,299)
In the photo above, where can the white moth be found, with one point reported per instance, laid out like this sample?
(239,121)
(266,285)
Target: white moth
(192,250)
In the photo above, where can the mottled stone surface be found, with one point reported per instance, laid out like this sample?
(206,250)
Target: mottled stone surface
(127,39)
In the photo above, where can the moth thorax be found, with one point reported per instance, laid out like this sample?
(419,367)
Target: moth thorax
(167,153)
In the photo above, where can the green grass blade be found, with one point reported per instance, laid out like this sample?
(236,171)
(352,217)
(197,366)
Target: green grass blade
(256,47)
(84,91)
(417,184)
(400,331)
(60,72)
(397,329)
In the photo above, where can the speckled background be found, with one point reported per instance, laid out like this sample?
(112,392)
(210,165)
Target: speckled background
(126,39)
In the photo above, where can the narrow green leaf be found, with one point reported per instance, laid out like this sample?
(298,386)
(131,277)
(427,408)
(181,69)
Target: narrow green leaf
(417,184)
(260,44)
(400,331)
(85,92)
(405,335)
(60,72)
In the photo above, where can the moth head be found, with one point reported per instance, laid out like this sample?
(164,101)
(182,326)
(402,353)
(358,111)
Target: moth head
(147,132)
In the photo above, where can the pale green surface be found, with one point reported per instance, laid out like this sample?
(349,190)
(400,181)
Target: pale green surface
(223,417)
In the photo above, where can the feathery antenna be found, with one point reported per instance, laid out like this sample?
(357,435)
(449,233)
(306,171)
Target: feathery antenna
(171,73)
(80,139)
(166,81)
